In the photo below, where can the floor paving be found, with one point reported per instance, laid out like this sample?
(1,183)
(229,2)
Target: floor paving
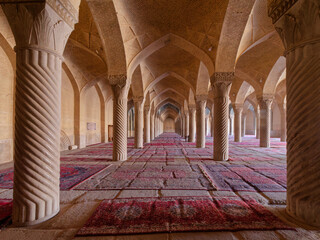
(171,167)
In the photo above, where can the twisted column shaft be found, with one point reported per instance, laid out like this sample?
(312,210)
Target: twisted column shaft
(120,105)
(40,37)
(297,23)
(146,115)
(138,124)
(265,120)
(237,123)
(222,84)
(192,130)
(201,122)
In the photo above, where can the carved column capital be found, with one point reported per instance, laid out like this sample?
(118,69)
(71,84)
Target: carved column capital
(119,85)
(47,27)
(265,101)
(192,109)
(238,108)
(138,99)
(297,22)
(146,108)
(221,82)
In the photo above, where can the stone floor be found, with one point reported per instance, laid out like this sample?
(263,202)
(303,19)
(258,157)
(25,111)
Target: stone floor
(169,166)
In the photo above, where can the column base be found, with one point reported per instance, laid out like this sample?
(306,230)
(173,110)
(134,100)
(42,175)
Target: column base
(38,221)
(299,220)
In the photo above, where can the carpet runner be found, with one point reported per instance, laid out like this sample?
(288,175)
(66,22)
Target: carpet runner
(70,175)
(128,216)
(5,212)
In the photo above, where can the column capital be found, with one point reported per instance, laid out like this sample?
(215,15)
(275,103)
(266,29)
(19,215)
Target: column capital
(192,108)
(138,99)
(296,21)
(146,108)
(120,79)
(201,98)
(47,27)
(237,107)
(219,77)
(265,101)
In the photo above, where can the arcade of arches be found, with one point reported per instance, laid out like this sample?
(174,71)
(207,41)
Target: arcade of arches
(121,84)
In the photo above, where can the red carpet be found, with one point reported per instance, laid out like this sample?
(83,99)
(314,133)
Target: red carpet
(70,175)
(5,212)
(126,216)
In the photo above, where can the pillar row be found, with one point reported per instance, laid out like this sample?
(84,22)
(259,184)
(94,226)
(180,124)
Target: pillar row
(265,119)
(192,127)
(238,108)
(297,23)
(138,122)
(221,82)
(39,51)
(201,102)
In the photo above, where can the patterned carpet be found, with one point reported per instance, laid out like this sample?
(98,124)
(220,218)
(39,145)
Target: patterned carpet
(128,216)
(169,164)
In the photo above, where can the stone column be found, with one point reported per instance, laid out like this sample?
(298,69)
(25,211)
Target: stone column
(138,122)
(120,88)
(238,108)
(221,82)
(243,125)
(187,124)
(40,37)
(192,129)
(265,119)
(231,125)
(152,125)
(146,115)
(297,23)
(212,125)
(283,112)
(258,123)
(201,102)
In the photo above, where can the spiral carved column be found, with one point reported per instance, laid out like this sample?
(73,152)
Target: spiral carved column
(298,26)
(120,104)
(146,132)
(258,123)
(265,119)
(283,113)
(201,121)
(222,84)
(40,37)
(237,122)
(192,129)
(138,123)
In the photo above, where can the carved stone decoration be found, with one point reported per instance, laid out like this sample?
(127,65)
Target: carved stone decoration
(146,132)
(299,29)
(221,82)
(138,122)
(40,37)
(238,108)
(265,119)
(120,105)
(201,118)
(192,126)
